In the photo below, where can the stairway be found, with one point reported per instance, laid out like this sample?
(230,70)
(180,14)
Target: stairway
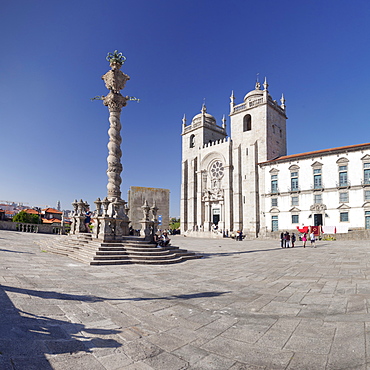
(84,248)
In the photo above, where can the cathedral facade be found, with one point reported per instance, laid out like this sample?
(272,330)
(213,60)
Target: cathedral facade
(247,182)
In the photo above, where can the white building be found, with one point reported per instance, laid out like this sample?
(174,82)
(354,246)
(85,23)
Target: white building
(247,182)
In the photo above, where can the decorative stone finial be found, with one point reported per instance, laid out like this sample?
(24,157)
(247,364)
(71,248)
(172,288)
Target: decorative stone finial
(184,120)
(265,85)
(116,58)
(282,100)
(258,85)
(223,122)
(232,97)
(204,108)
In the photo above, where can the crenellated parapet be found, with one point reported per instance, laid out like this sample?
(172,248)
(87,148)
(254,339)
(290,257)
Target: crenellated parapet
(217,142)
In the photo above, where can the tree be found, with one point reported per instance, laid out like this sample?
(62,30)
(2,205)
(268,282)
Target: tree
(174,223)
(25,217)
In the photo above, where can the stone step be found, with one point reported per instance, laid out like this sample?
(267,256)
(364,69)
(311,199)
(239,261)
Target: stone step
(87,249)
(135,261)
(138,257)
(132,253)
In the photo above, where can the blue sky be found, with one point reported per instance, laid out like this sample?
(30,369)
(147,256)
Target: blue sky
(53,139)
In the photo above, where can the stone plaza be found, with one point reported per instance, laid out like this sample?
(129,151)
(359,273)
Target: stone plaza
(244,305)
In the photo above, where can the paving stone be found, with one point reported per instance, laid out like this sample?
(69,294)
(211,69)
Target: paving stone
(166,361)
(348,348)
(191,354)
(212,362)
(33,363)
(141,349)
(166,341)
(307,361)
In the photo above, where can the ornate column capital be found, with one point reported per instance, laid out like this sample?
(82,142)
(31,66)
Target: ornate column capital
(115,101)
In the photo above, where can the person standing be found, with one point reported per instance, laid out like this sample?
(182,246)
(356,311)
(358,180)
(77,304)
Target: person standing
(287,240)
(304,239)
(293,238)
(87,220)
(313,240)
(282,240)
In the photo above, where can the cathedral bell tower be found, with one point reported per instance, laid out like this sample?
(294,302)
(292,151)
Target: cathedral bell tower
(258,132)
(259,119)
(201,131)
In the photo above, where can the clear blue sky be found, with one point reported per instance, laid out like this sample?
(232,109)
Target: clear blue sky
(53,141)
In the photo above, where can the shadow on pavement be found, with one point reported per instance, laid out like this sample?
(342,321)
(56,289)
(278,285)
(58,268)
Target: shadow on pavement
(25,338)
(7,250)
(225,254)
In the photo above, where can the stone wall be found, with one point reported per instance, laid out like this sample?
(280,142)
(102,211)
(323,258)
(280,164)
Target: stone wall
(137,195)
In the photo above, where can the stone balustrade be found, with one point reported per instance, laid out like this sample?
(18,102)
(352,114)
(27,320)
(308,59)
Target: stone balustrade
(31,228)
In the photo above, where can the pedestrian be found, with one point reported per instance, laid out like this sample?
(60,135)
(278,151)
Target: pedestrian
(293,239)
(287,240)
(304,239)
(282,240)
(313,240)
(87,220)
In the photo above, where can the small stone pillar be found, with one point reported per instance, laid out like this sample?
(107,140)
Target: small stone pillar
(96,217)
(145,223)
(106,227)
(79,216)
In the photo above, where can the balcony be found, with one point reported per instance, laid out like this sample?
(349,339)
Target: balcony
(343,184)
(274,190)
(320,186)
(294,189)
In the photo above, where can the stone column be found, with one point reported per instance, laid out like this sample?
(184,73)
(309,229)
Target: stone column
(113,223)
(115,80)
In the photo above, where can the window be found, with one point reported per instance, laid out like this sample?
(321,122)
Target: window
(344,217)
(192,141)
(294,181)
(274,223)
(343,180)
(367,173)
(295,201)
(274,202)
(217,170)
(317,199)
(317,184)
(295,219)
(274,184)
(343,197)
(367,220)
(367,195)
(247,123)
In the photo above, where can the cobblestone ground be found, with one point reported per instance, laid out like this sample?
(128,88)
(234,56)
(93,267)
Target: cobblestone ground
(245,305)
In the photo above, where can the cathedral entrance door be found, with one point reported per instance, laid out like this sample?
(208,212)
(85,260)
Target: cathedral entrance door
(215,219)
(317,219)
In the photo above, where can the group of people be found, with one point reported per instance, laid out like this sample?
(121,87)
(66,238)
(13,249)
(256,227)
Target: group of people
(162,240)
(287,240)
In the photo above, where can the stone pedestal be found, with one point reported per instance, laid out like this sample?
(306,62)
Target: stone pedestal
(146,230)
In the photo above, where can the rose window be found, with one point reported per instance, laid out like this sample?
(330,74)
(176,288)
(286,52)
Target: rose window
(217,170)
